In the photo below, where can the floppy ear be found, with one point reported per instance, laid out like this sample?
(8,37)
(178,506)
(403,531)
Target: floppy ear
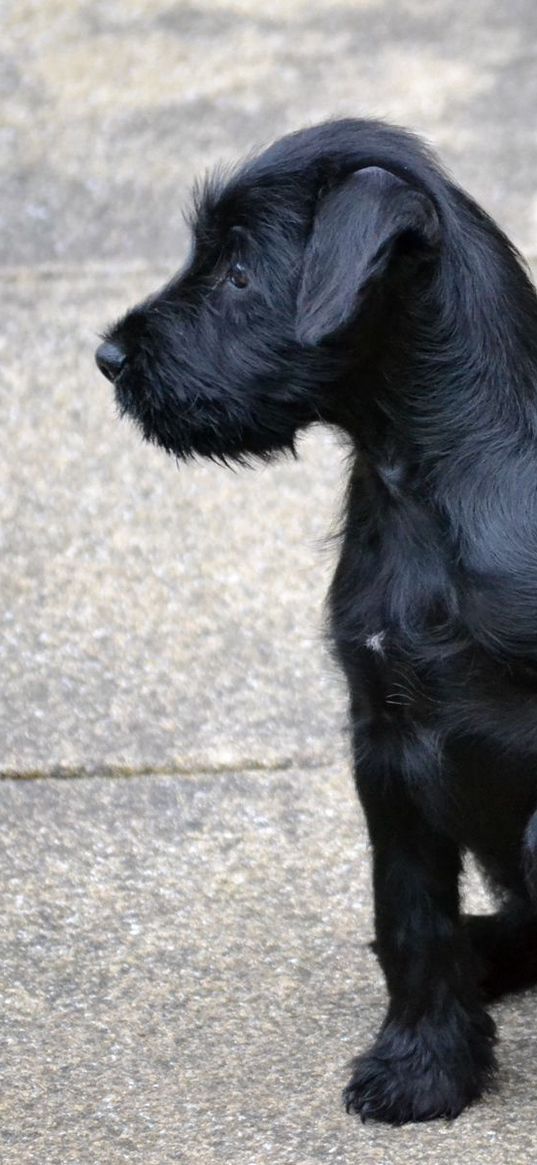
(355,232)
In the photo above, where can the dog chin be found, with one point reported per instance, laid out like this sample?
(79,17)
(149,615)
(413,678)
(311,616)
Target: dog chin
(184,439)
(180,442)
(192,442)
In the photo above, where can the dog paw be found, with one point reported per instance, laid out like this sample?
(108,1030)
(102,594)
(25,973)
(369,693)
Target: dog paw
(413,1075)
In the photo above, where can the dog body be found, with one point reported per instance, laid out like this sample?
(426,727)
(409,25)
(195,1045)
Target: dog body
(341,277)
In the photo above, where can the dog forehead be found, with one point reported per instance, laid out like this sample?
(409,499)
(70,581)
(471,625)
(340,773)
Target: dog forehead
(301,162)
(277,189)
(257,204)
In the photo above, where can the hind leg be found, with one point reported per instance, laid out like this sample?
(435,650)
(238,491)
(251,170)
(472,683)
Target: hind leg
(506,942)
(506,947)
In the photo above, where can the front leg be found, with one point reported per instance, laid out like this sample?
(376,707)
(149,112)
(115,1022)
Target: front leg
(434,1053)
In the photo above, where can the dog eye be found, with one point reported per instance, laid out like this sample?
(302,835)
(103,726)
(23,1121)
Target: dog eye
(237,275)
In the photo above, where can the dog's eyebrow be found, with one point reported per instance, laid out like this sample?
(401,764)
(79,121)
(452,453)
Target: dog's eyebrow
(239,233)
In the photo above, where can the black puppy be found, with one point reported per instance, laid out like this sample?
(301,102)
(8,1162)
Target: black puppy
(341,277)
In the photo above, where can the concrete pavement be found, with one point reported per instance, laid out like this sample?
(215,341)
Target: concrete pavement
(187,908)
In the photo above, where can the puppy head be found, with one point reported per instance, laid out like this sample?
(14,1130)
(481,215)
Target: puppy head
(286,283)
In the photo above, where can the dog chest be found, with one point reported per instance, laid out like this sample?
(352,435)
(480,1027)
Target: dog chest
(391,598)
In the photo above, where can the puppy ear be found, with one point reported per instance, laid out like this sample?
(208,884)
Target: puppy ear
(356,229)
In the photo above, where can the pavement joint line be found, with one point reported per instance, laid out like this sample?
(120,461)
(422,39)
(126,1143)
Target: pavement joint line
(86,270)
(112,269)
(124,772)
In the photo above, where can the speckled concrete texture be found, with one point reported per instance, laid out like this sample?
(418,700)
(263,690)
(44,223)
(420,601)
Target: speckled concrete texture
(110,106)
(185,924)
(187,975)
(153,616)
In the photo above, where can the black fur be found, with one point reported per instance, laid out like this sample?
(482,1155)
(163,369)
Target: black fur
(342,277)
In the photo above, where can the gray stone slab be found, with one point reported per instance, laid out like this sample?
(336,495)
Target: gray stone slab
(109,109)
(151,616)
(186,975)
(157,619)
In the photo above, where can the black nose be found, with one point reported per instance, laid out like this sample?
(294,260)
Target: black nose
(110,359)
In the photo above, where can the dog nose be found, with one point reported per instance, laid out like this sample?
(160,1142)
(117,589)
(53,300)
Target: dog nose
(110,359)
